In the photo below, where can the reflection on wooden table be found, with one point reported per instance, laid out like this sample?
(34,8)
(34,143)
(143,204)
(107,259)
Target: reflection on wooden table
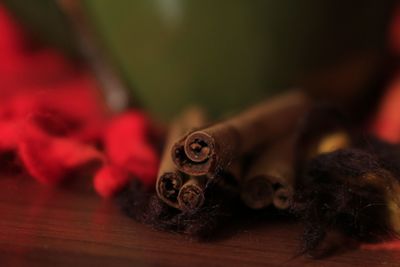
(71,226)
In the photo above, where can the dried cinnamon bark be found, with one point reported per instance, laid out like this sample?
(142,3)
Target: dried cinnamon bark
(270,179)
(257,192)
(168,186)
(191,195)
(207,151)
(170,180)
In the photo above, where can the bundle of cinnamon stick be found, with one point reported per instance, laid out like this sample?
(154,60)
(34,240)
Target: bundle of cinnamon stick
(254,148)
(328,173)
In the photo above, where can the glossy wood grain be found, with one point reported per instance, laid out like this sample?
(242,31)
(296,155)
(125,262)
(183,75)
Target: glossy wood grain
(71,226)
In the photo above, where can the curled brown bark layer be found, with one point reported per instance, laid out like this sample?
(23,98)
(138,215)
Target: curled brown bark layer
(209,150)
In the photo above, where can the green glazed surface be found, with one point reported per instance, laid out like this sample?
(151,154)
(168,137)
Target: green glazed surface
(227,54)
(221,54)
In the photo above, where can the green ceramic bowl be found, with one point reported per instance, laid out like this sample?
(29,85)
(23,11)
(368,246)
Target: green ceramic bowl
(227,54)
(221,54)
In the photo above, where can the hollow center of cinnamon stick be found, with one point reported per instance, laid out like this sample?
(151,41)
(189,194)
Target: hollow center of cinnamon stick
(170,186)
(199,150)
(180,158)
(282,196)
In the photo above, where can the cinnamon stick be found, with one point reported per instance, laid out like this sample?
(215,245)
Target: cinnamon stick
(168,186)
(270,179)
(257,192)
(209,150)
(191,195)
(170,180)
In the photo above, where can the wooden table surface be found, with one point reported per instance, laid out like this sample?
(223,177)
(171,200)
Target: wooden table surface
(71,226)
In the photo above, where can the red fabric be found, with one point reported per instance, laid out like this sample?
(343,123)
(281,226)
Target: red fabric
(128,152)
(110,179)
(48,157)
(52,117)
(386,123)
(126,147)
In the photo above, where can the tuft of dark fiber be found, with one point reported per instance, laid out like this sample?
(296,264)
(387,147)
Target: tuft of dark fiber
(343,191)
(388,154)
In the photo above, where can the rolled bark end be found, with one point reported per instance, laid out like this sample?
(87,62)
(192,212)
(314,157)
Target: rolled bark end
(186,165)
(168,186)
(282,198)
(191,195)
(199,146)
(257,192)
